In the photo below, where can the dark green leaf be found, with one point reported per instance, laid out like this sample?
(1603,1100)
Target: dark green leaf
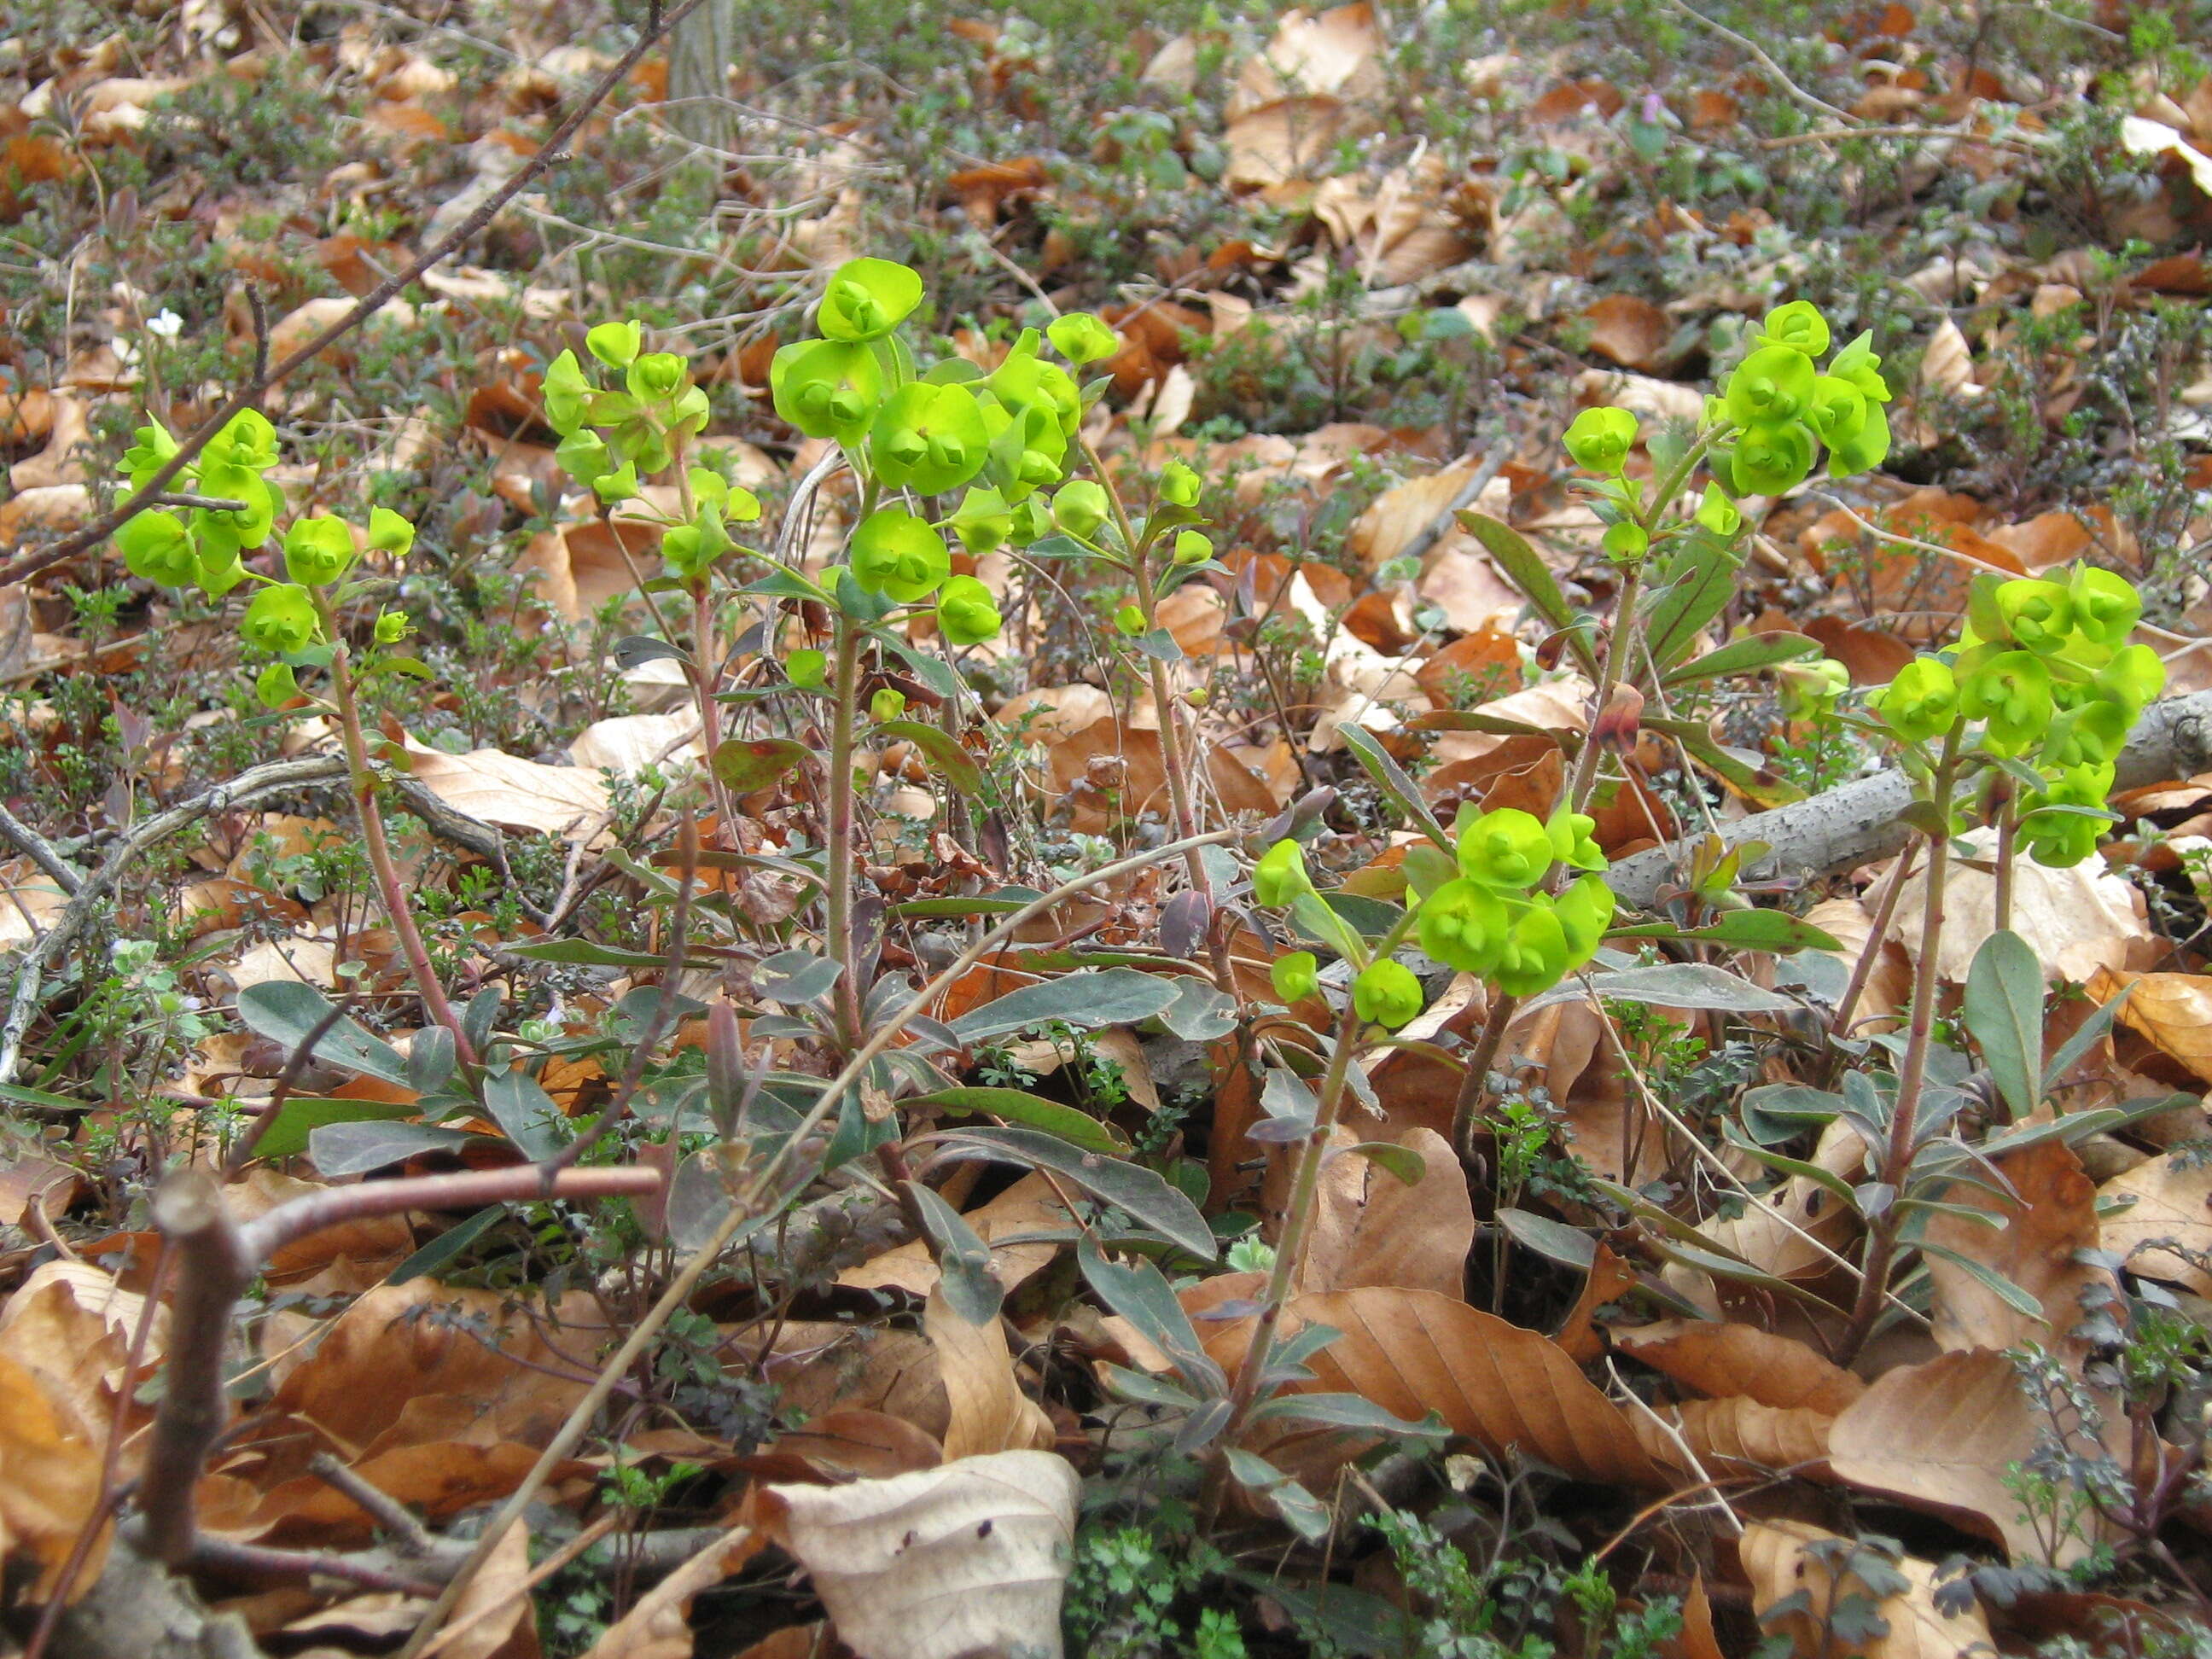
(286,1011)
(1690,985)
(446,1246)
(1117,996)
(1699,582)
(1146,1196)
(1745,656)
(1141,1293)
(746,764)
(355,1148)
(943,748)
(1075,1127)
(1569,1246)
(1404,793)
(300,1115)
(2003,1010)
(964,1261)
(1771,930)
(524,1112)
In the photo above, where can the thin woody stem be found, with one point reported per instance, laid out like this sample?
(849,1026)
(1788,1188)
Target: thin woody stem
(389,889)
(1896,1162)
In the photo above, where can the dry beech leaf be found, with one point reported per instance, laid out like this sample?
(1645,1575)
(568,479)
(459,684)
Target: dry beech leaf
(2173,1196)
(2174,1011)
(1722,1360)
(1333,52)
(2077,920)
(512,792)
(953,1563)
(1940,1437)
(494,1618)
(2051,1221)
(1631,332)
(71,1326)
(1948,363)
(660,1625)
(1734,1436)
(49,1481)
(1403,512)
(1282,141)
(1029,1205)
(1415,1351)
(1579,1337)
(990,1413)
(1774,1558)
(1371,1228)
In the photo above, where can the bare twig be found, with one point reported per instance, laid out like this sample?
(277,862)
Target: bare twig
(255,783)
(29,562)
(1796,94)
(217,1257)
(37,848)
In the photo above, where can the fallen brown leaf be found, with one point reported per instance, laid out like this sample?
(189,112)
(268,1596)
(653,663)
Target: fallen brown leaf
(2174,1011)
(1721,1360)
(989,1412)
(1371,1228)
(1779,1558)
(2173,1204)
(49,1481)
(951,1562)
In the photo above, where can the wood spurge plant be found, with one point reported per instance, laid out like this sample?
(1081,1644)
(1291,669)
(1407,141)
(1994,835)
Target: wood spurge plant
(1163,833)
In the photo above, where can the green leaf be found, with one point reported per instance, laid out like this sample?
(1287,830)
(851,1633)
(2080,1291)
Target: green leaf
(1772,931)
(446,1246)
(355,1148)
(942,747)
(1745,656)
(300,1115)
(1075,1127)
(2003,1010)
(747,764)
(1005,901)
(1555,1241)
(1117,996)
(524,1112)
(584,953)
(1691,984)
(1526,569)
(1756,782)
(1143,1387)
(1141,1293)
(2013,1297)
(1699,582)
(1391,780)
(971,1289)
(1146,1196)
(1345,1411)
(286,1011)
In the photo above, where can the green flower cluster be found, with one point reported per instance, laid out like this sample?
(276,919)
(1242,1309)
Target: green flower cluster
(2045,666)
(204,547)
(1497,921)
(201,547)
(1783,408)
(612,436)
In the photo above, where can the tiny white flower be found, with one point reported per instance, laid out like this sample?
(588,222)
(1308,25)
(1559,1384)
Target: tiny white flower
(168,324)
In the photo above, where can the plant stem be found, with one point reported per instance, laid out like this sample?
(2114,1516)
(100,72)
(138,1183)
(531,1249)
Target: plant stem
(2008,834)
(841,829)
(1896,1162)
(388,888)
(1474,1085)
(1297,1221)
(1863,969)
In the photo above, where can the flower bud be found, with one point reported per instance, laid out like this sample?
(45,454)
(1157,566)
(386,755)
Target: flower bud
(1799,326)
(966,612)
(887,704)
(1280,876)
(1179,485)
(1295,976)
(1082,338)
(1600,439)
(867,299)
(1921,702)
(157,548)
(1079,507)
(1507,848)
(1773,387)
(1387,993)
(280,620)
(615,344)
(897,554)
(1192,549)
(319,550)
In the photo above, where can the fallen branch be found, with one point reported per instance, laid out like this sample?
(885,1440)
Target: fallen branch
(1858,821)
(217,1257)
(255,783)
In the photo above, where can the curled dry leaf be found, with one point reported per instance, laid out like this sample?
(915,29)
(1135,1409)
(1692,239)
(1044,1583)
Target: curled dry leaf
(951,1562)
(989,1412)
(2171,1203)
(660,1625)
(1941,1437)
(1334,52)
(49,1481)
(1721,1360)
(1028,1206)
(70,1326)
(1415,1351)
(1629,330)
(1784,1558)
(2174,1011)
(1947,365)
(2047,1227)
